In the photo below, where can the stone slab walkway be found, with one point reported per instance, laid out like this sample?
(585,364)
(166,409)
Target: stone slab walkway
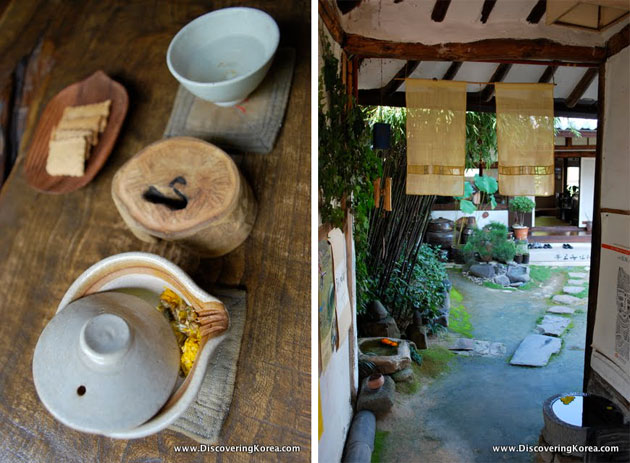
(573,289)
(553,325)
(578,275)
(483,401)
(566,299)
(561,309)
(536,350)
(477,347)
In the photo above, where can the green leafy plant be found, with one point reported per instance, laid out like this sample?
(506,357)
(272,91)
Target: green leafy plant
(347,164)
(490,242)
(394,237)
(481,139)
(425,292)
(479,243)
(415,355)
(521,205)
(487,186)
(503,250)
(521,248)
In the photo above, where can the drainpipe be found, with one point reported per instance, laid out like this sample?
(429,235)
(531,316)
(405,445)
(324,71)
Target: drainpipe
(360,441)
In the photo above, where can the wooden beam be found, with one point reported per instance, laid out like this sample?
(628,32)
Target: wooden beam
(574,154)
(482,50)
(537,12)
(618,42)
(581,87)
(404,72)
(575,148)
(547,75)
(596,242)
(452,70)
(486,9)
(499,74)
(439,10)
(330,18)
(473,103)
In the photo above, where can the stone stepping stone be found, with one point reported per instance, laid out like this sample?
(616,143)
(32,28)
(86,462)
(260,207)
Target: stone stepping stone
(573,289)
(578,275)
(577,282)
(553,325)
(561,309)
(462,344)
(476,347)
(566,299)
(535,350)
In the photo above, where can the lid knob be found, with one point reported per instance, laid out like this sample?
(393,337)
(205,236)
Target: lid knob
(105,339)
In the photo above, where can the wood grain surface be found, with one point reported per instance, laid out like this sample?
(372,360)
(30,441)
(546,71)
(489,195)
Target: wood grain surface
(197,196)
(93,89)
(47,241)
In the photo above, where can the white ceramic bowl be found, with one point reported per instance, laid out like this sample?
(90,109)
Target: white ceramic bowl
(146,275)
(224,55)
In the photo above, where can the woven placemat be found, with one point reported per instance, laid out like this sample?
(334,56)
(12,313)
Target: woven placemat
(249,127)
(202,421)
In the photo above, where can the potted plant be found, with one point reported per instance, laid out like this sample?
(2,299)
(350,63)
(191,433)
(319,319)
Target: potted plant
(479,245)
(483,190)
(521,205)
(521,250)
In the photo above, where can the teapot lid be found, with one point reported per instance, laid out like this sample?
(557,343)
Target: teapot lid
(106,362)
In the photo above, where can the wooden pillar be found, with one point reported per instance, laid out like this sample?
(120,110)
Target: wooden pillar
(596,238)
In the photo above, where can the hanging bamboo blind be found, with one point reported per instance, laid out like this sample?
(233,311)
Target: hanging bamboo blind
(436,137)
(525,139)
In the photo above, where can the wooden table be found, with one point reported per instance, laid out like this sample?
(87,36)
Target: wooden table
(47,241)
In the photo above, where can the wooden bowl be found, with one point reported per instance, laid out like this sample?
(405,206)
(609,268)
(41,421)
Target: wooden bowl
(98,87)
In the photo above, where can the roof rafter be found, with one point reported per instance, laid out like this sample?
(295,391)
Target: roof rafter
(397,81)
(537,12)
(488,5)
(346,6)
(581,87)
(439,10)
(452,70)
(330,18)
(546,76)
(499,74)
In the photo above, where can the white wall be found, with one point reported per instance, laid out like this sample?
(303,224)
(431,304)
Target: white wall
(334,384)
(616,146)
(587,186)
(337,380)
(615,194)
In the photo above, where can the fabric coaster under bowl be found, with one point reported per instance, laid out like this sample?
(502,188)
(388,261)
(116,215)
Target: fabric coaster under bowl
(203,420)
(249,127)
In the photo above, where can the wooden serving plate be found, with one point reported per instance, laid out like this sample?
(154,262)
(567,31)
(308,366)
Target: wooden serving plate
(96,88)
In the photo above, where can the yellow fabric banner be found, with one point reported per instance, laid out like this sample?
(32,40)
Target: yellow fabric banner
(525,139)
(436,137)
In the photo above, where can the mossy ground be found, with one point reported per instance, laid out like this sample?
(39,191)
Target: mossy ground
(459,318)
(379,443)
(412,386)
(435,360)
